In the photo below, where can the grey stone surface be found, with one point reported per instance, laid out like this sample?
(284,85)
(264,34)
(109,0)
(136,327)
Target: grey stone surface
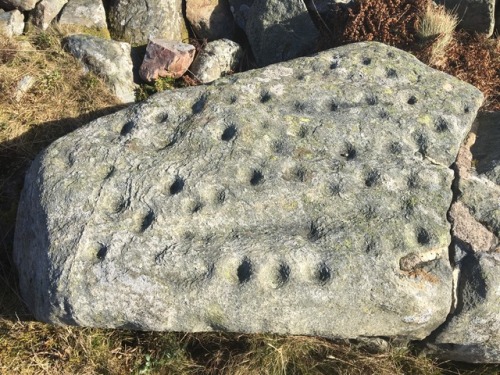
(309,197)
(46,11)
(11,23)
(219,58)
(473,333)
(280,30)
(87,13)
(108,59)
(22,5)
(480,191)
(474,15)
(138,21)
(210,19)
(240,10)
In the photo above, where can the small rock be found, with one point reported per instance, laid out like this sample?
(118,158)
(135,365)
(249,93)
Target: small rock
(108,59)
(210,19)
(23,87)
(165,58)
(87,13)
(46,11)
(280,30)
(22,5)
(219,58)
(11,23)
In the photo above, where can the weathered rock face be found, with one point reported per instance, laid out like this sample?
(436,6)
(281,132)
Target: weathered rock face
(219,58)
(280,30)
(474,15)
(165,58)
(307,197)
(18,4)
(136,21)
(87,13)
(108,59)
(240,10)
(46,11)
(472,332)
(11,23)
(210,19)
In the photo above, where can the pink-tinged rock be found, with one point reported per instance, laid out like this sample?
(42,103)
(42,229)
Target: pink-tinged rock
(165,58)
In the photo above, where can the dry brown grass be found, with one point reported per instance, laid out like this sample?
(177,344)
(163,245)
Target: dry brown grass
(426,31)
(438,24)
(392,22)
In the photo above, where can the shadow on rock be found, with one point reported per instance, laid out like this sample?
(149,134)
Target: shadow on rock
(16,156)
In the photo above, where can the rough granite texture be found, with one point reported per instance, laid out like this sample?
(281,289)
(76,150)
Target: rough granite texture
(482,194)
(217,59)
(11,23)
(308,197)
(472,331)
(46,11)
(109,59)
(210,19)
(87,13)
(22,5)
(138,21)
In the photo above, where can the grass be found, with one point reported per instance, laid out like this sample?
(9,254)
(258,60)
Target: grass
(438,24)
(64,98)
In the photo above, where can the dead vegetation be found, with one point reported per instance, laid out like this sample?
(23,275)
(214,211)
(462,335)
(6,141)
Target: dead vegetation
(425,30)
(64,98)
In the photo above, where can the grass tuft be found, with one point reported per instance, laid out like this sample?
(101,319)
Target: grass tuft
(437,24)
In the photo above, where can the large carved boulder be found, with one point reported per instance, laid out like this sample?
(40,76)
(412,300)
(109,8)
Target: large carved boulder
(308,197)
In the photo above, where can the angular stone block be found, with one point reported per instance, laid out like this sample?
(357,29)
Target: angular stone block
(210,19)
(11,23)
(280,30)
(46,11)
(217,59)
(308,197)
(86,13)
(473,332)
(22,5)
(165,58)
(136,21)
(108,59)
